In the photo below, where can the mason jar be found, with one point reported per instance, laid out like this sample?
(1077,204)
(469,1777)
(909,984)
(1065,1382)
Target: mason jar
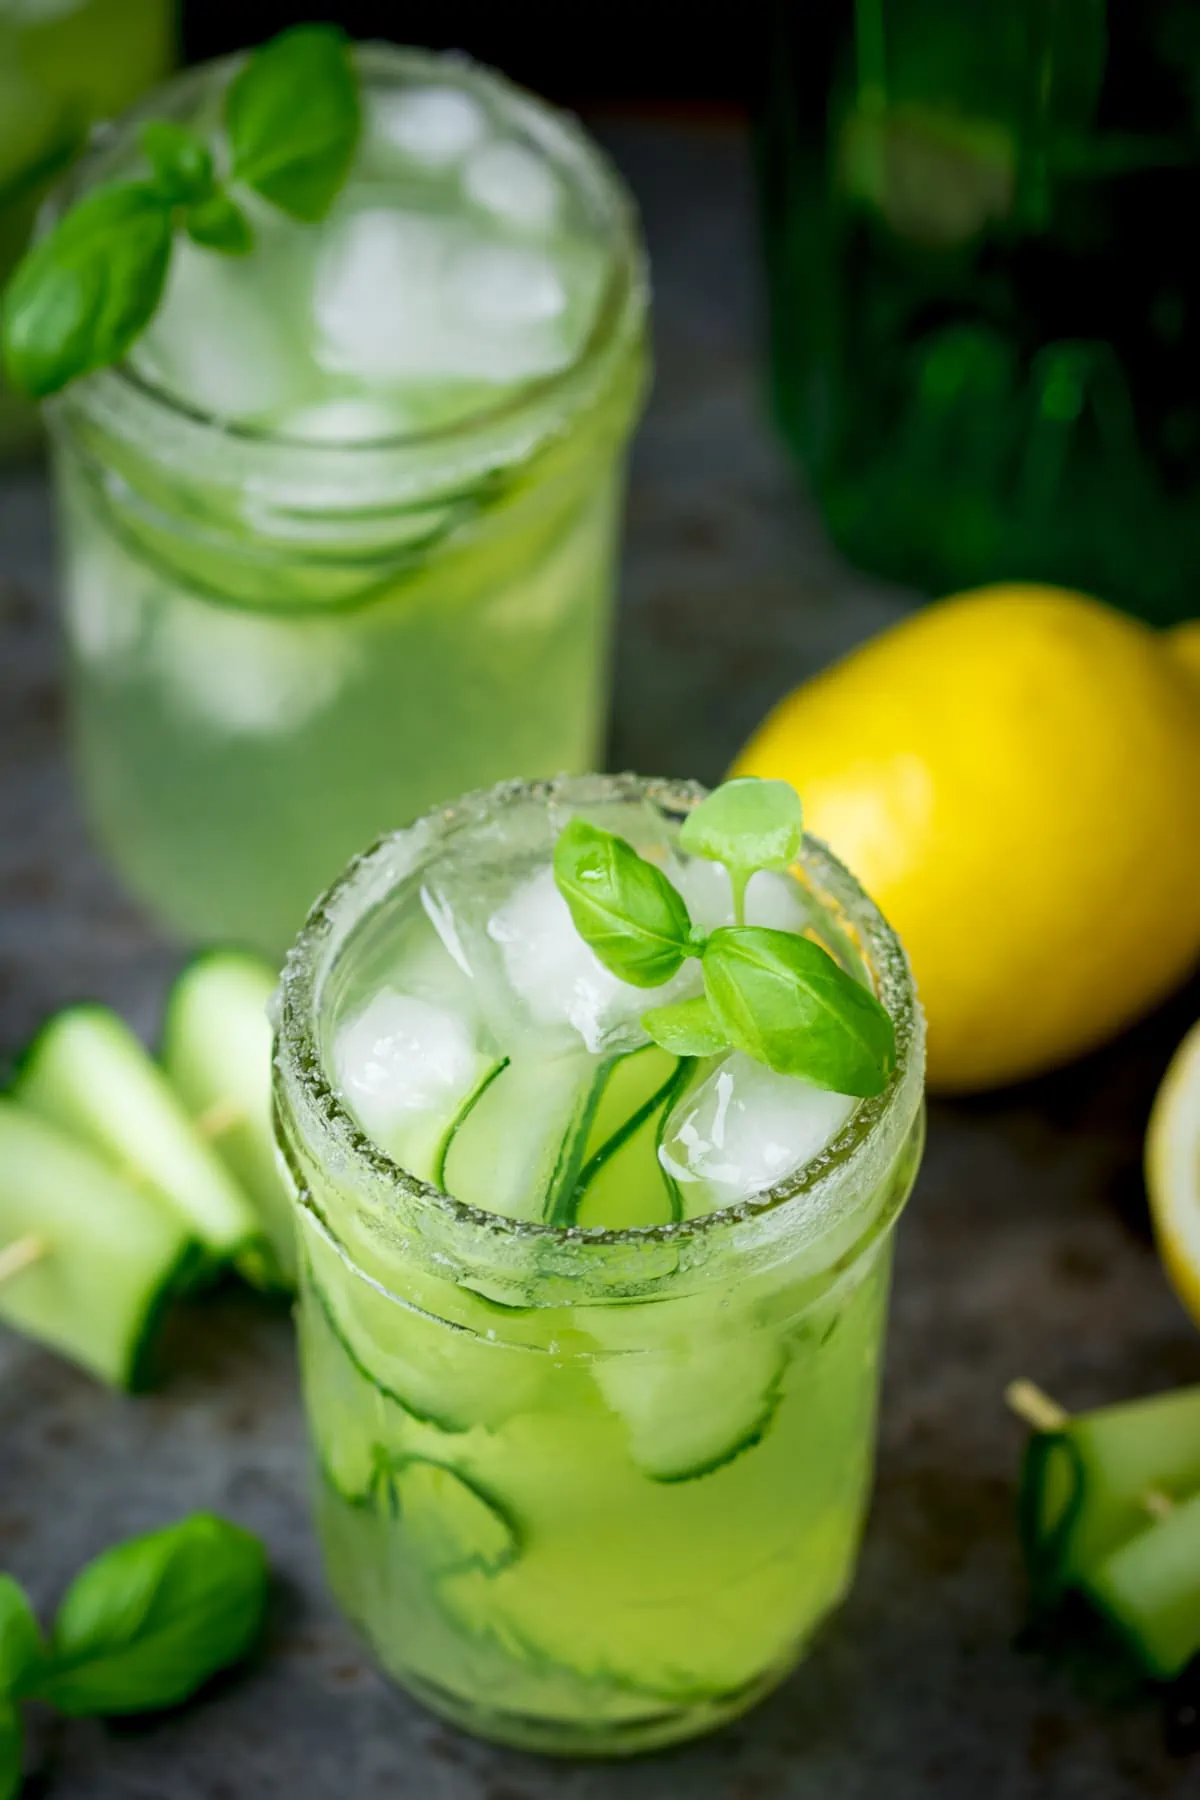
(583,1490)
(288,634)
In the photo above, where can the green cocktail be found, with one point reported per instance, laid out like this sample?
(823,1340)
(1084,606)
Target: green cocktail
(63,63)
(591,1331)
(339,534)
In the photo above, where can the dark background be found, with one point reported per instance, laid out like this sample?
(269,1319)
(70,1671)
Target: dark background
(622,52)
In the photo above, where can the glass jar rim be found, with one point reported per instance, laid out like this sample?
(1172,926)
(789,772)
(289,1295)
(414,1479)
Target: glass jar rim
(508,430)
(822,1192)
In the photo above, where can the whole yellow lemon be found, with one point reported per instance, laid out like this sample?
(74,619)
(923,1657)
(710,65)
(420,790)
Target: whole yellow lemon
(1014,775)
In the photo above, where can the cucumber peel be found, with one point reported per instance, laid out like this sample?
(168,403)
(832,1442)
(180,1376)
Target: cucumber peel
(216,1051)
(109,1255)
(87,1073)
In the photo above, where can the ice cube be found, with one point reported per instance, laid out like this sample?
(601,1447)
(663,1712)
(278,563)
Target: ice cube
(375,297)
(435,126)
(409,295)
(243,675)
(503,287)
(538,980)
(745,1128)
(404,1056)
(505,308)
(511,181)
(216,341)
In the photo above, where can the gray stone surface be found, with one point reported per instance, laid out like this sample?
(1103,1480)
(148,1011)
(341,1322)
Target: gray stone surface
(1024,1250)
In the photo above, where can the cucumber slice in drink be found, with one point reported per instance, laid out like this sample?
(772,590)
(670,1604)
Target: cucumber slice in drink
(87,1073)
(453,1526)
(1150,1590)
(1084,1486)
(621,1182)
(104,1256)
(437,1373)
(217,1055)
(357,1428)
(518,1144)
(692,1408)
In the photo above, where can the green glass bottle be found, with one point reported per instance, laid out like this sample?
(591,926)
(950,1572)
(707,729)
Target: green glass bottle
(977,217)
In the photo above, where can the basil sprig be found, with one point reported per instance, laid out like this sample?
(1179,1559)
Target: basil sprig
(142,1627)
(780,998)
(84,293)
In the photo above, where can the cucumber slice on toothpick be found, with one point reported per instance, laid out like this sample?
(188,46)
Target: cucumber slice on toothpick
(1150,1590)
(87,1073)
(87,1261)
(1091,1482)
(217,1055)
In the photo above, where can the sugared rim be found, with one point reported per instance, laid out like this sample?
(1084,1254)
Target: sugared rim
(562,139)
(854,1163)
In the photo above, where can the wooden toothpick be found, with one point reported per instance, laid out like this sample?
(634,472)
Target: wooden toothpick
(1041,1412)
(21,1254)
(1035,1407)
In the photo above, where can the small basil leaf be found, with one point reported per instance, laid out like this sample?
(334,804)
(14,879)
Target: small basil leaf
(293,117)
(623,907)
(690,1028)
(12,1751)
(152,1619)
(746,824)
(220,224)
(22,1648)
(82,294)
(182,162)
(783,1000)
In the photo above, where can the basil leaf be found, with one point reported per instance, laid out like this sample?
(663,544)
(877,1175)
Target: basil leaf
(293,117)
(181,161)
(783,1000)
(622,906)
(220,224)
(82,294)
(746,824)
(152,1619)
(22,1648)
(12,1751)
(689,1028)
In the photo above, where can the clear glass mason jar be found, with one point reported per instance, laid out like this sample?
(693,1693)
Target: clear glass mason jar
(489,1399)
(282,646)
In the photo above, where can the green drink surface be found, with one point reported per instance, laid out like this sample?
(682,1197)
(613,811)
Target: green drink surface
(580,1512)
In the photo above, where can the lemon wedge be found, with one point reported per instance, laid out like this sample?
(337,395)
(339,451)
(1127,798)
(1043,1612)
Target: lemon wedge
(1173,1171)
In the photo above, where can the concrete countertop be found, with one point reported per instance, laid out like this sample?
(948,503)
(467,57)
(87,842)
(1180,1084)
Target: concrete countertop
(1025,1249)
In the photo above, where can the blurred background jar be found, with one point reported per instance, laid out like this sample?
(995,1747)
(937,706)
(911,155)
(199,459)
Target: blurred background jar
(979,232)
(63,64)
